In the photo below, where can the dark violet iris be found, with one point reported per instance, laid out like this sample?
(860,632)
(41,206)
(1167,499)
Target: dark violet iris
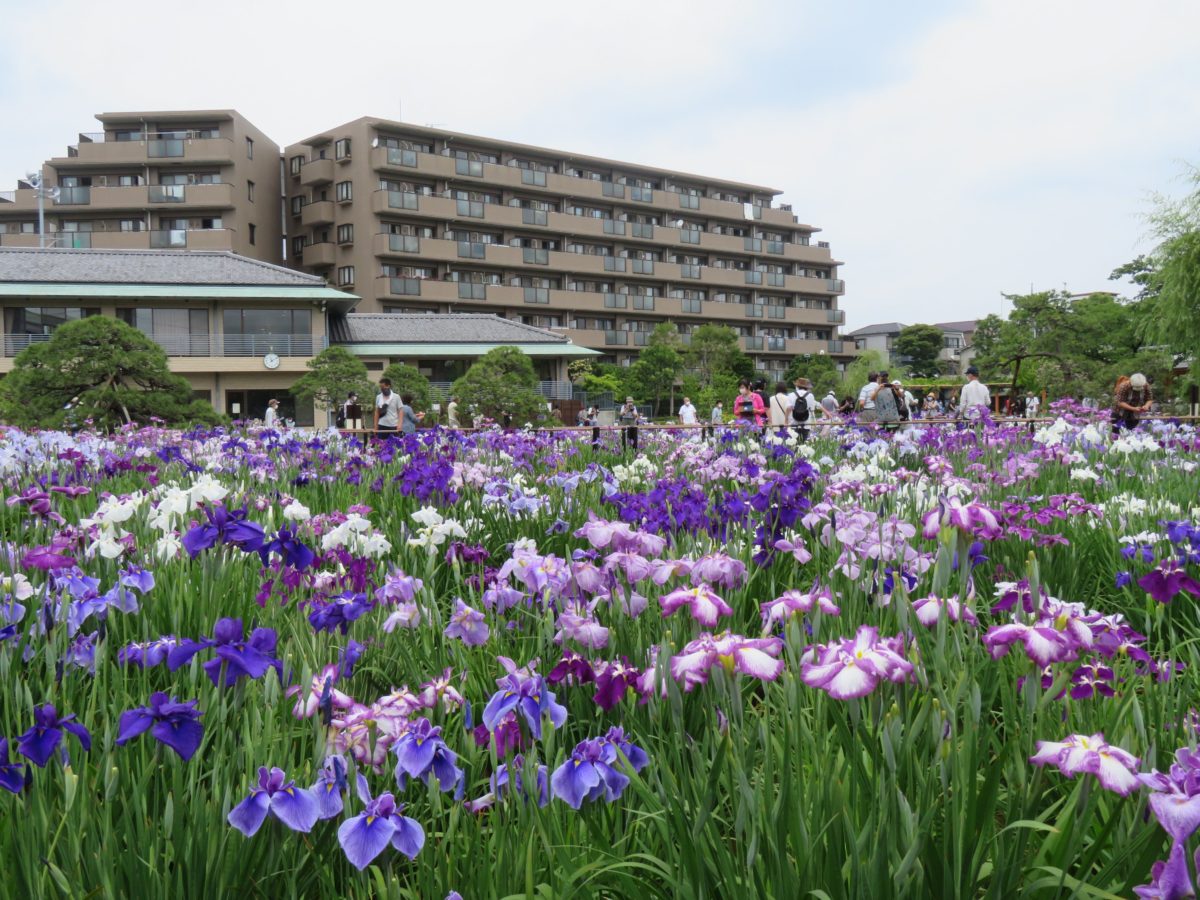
(225,526)
(40,741)
(240,657)
(170,722)
(338,612)
(12,775)
(289,549)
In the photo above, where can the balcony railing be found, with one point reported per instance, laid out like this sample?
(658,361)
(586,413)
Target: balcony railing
(166,193)
(835,285)
(170,237)
(202,344)
(73,196)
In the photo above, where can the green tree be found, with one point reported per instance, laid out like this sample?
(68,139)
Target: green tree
(920,345)
(818,368)
(500,382)
(717,350)
(106,372)
(408,379)
(658,365)
(1171,275)
(856,372)
(332,376)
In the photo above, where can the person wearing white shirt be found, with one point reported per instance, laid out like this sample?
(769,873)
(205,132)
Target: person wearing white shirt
(974,399)
(687,412)
(271,419)
(866,398)
(830,405)
(803,390)
(1032,405)
(452,412)
(779,410)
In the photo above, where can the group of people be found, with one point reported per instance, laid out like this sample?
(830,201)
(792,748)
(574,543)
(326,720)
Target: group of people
(889,403)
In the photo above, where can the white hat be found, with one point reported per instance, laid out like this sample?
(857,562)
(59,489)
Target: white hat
(896,384)
(1137,381)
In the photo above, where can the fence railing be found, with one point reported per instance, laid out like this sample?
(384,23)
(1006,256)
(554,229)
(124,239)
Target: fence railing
(228,345)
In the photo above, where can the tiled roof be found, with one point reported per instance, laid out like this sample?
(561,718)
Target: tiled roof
(202,267)
(430,328)
(964,326)
(883,328)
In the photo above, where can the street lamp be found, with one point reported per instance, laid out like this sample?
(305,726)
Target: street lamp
(35,182)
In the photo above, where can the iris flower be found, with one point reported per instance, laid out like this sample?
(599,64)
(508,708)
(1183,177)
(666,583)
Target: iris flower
(289,549)
(1113,767)
(528,696)
(853,667)
(593,769)
(750,656)
(705,606)
(789,603)
(421,752)
(225,526)
(12,775)
(366,835)
(338,612)
(331,784)
(248,658)
(467,624)
(297,808)
(40,741)
(1168,580)
(170,722)
(1170,880)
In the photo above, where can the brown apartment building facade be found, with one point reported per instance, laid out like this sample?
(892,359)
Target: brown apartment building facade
(415,219)
(194,180)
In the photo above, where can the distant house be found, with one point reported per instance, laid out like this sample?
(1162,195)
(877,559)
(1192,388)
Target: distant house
(957,350)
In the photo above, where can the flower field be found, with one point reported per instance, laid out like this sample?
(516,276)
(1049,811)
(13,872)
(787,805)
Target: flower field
(942,663)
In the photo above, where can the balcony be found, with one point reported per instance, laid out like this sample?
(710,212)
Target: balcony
(193,239)
(318,213)
(316,171)
(835,285)
(319,254)
(73,196)
(156,149)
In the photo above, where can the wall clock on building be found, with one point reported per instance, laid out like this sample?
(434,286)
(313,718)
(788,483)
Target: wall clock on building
(271,361)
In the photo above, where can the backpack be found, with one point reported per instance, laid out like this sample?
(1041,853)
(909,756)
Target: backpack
(800,410)
(340,419)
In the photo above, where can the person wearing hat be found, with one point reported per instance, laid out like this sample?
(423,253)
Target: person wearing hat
(908,403)
(628,418)
(975,399)
(271,419)
(1131,398)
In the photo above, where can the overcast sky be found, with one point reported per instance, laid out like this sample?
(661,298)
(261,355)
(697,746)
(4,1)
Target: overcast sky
(951,151)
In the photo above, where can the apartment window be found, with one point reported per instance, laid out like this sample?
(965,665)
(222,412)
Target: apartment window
(343,191)
(297,205)
(129,180)
(250,191)
(253,231)
(345,275)
(249,149)
(345,234)
(341,149)
(295,163)
(213,223)
(474,156)
(298,244)
(593,323)
(131,225)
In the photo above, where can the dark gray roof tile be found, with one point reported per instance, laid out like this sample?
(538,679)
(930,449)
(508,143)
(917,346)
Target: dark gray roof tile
(421,328)
(63,265)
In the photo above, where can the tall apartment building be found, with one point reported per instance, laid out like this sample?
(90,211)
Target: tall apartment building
(416,219)
(196,180)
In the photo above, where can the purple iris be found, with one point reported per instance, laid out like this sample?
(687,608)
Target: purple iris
(249,658)
(225,526)
(40,741)
(293,553)
(338,612)
(421,752)
(148,654)
(46,558)
(510,776)
(366,835)
(1170,879)
(297,808)
(12,775)
(170,722)
(467,624)
(331,784)
(530,697)
(593,769)
(1168,580)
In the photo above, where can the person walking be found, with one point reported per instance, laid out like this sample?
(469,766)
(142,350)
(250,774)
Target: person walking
(779,412)
(271,418)
(802,407)
(628,418)
(452,412)
(687,412)
(409,419)
(715,418)
(829,403)
(1032,405)
(747,406)
(387,407)
(1131,399)
(887,403)
(866,398)
(975,399)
